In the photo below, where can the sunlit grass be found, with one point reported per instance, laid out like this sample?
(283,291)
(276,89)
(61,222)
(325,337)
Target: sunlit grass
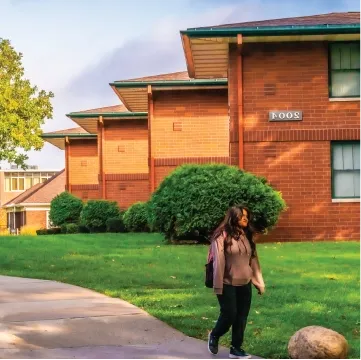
(307,283)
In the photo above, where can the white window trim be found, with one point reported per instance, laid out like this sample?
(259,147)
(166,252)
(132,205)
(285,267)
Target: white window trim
(348,200)
(47,219)
(344,99)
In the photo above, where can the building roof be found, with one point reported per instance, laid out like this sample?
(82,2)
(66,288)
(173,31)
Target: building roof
(134,92)
(107,109)
(88,119)
(180,75)
(336,18)
(65,132)
(57,138)
(41,193)
(206,49)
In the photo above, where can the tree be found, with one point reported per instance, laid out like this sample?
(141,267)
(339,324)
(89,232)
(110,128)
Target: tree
(23,108)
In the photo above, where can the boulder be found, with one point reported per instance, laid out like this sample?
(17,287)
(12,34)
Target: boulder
(317,342)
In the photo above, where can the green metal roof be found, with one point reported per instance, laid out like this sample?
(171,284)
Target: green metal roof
(108,115)
(166,83)
(273,30)
(59,136)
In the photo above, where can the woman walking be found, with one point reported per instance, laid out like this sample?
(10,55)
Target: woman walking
(235,267)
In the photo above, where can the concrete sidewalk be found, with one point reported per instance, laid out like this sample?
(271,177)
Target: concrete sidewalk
(48,319)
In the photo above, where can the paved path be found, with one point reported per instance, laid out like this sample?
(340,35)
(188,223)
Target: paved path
(47,319)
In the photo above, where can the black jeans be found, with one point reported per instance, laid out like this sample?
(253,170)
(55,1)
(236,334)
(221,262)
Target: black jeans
(235,303)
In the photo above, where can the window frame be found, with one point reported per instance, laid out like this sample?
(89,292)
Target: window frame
(344,142)
(42,176)
(330,44)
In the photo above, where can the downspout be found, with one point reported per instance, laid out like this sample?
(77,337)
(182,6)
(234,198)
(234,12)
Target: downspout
(240,101)
(67,163)
(151,161)
(101,155)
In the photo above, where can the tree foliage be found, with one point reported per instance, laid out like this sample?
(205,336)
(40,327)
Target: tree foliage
(65,208)
(23,108)
(136,217)
(193,200)
(96,213)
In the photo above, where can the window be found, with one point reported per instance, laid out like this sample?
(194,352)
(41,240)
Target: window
(14,184)
(20,181)
(344,69)
(345,169)
(7,184)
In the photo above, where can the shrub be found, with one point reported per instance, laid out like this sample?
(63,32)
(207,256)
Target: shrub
(42,232)
(193,200)
(115,225)
(65,208)
(4,232)
(136,217)
(72,228)
(96,212)
(51,231)
(28,230)
(63,228)
(83,229)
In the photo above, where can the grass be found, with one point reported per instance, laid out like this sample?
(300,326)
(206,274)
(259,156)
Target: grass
(307,283)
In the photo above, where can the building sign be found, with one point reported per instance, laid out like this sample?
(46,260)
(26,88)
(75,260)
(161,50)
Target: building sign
(285,115)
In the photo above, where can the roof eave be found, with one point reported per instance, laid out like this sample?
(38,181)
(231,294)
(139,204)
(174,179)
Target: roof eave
(107,115)
(60,136)
(169,83)
(273,30)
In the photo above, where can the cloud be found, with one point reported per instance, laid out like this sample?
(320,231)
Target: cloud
(159,52)
(134,59)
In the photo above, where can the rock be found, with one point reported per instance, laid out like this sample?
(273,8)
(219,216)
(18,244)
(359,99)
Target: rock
(317,342)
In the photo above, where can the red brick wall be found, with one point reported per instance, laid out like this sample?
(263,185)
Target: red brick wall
(189,126)
(126,146)
(202,116)
(86,192)
(127,192)
(296,162)
(36,218)
(83,162)
(299,72)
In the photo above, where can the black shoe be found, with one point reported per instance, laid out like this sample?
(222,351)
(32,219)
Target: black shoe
(238,354)
(213,344)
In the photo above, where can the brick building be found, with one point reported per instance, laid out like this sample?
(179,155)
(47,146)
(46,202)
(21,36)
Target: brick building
(279,98)
(32,206)
(15,181)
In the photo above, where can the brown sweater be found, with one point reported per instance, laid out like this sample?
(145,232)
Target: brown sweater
(234,266)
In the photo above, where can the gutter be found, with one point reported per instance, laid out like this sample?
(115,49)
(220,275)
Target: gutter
(60,136)
(109,115)
(166,83)
(273,30)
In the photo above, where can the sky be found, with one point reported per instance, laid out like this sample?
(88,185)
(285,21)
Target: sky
(75,48)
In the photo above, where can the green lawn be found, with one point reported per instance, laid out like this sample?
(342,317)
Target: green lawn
(307,283)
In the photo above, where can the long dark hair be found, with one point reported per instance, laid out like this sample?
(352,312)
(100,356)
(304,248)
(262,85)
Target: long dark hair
(230,225)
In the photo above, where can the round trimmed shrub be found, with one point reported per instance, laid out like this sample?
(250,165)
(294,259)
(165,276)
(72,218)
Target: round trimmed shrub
(96,212)
(136,217)
(65,208)
(193,200)
(115,225)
